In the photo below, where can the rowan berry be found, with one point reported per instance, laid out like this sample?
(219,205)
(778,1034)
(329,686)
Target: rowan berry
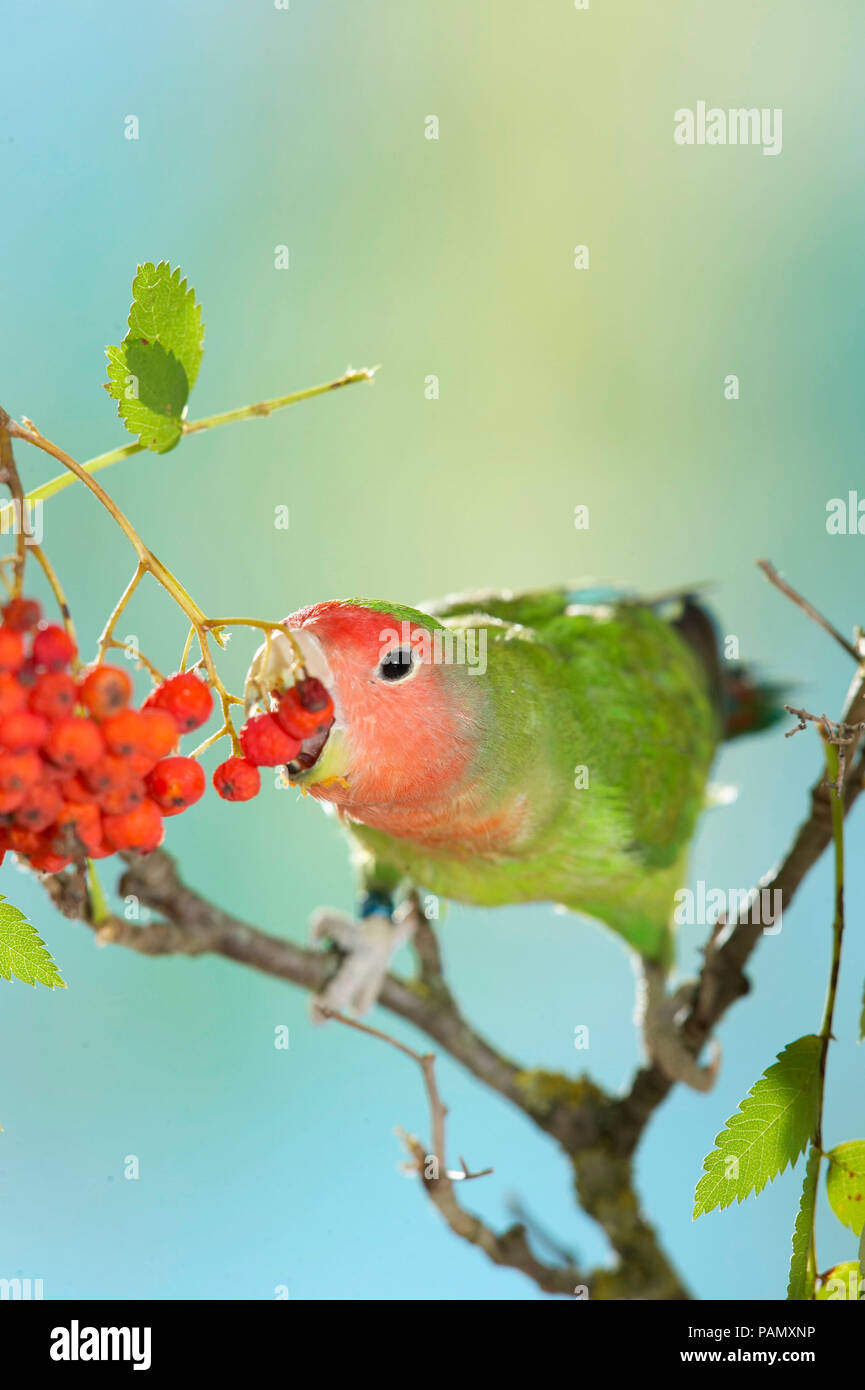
(74,788)
(186,698)
(11,649)
(304,709)
(12,696)
(237,780)
(53,648)
(105,690)
(115,785)
(79,820)
(27,675)
(176,783)
(74,743)
(23,731)
(11,800)
(265,743)
(149,732)
(24,841)
(21,614)
(140,829)
(47,860)
(40,807)
(19,771)
(54,695)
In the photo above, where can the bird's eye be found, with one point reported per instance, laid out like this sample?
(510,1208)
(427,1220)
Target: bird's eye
(397,664)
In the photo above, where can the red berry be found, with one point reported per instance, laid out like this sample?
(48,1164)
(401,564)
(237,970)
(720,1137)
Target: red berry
(24,841)
(47,860)
(150,732)
(237,780)
(21,614)
(74,743)
(27,675)
(24,731)
(186,698)
(105,691)
(116,785)
(78,823)
(19,771)
(299,719)
(74,788)
(11,800)
(53,648)
(140,829)
(176,783)
(40,807)
(314,696)
(12,696)
(141,763)
(11,649)
(266,743)
(54,695)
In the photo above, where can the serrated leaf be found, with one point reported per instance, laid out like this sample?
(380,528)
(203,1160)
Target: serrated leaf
(800,1284)
(841,1284)
(845,1184)
(769,1130)
(152,371)
(23,952)
(164,311)
(151,390)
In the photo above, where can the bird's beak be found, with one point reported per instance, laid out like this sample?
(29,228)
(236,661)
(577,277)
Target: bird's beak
(275,667)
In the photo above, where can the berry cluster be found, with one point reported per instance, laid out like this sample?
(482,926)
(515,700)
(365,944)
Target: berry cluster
(296,729)
(83,773)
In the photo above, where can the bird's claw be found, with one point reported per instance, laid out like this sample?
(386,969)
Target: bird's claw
(367,948)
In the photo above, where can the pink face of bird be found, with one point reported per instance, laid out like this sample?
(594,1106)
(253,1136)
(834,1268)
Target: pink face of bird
(404,730)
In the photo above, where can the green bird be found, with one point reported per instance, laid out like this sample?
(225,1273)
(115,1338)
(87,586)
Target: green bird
(493,748)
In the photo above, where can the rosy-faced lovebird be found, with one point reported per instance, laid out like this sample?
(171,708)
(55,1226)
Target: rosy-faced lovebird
(501,748)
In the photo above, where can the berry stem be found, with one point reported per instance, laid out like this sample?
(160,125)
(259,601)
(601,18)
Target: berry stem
(9,476)
(106,640)
(100,912)
(56,589)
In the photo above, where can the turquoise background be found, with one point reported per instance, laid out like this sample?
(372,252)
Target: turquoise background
(260,127)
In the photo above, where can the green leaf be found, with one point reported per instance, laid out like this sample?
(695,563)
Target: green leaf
(164,311)
(22,951)
(153,370)
(862,1256)
(841,1284)
(769,1130)
(845,1184)
(151,390)
(800,1285)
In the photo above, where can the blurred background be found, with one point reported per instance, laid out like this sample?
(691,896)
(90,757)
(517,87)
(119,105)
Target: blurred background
(262,127)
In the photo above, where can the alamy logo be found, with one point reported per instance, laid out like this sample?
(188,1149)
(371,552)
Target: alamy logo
(441,646)
(739,125)
(76,1343)
(24,1289)
(703,908)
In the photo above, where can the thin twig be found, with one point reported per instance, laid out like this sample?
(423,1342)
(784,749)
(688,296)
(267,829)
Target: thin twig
(228,417)
(774,578)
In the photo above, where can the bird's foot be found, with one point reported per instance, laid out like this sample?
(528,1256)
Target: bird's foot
(659,1015)
(367,947)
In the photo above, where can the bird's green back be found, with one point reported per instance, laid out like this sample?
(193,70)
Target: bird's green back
(599,715)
